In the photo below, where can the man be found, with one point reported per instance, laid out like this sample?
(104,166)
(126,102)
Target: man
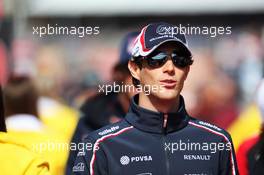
(157,136)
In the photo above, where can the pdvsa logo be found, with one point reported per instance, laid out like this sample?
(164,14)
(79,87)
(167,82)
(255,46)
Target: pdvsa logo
(125,160)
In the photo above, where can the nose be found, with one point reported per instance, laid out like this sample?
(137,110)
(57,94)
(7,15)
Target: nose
(168,66)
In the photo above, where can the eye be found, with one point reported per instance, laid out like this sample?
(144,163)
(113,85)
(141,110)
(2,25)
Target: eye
(181,62)
(181,54)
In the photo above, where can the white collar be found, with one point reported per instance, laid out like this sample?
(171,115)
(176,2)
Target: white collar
(23,122)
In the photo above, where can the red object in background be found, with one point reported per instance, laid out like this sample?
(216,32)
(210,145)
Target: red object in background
(226,116)
(3,63)
(222,116)
(241,155)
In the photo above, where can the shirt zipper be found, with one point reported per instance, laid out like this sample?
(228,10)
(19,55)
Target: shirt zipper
(165,121)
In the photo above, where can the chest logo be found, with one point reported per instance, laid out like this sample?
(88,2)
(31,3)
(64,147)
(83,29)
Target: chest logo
(125,160)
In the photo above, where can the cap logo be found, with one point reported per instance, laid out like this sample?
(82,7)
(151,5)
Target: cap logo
(164,30)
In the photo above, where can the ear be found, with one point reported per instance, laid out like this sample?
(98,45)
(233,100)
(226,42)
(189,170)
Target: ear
(134,69)
(187,72)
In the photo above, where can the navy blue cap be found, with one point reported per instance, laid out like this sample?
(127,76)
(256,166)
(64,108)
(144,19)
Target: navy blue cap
(155,34)
(127,46)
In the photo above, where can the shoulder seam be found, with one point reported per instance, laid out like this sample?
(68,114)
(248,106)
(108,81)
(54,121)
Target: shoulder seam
(220,134)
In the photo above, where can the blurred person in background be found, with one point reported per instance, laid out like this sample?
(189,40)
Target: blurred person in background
(24,125)
(16,158)
(249,69)
(102,109)
(250,153)
(49,80)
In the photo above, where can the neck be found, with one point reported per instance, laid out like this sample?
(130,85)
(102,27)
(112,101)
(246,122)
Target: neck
(153,103)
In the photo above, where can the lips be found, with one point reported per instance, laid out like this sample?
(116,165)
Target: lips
(168,83)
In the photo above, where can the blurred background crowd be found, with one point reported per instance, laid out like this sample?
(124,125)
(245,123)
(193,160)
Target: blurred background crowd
(61,72)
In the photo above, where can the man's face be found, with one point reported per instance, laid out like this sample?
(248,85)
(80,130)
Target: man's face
(168,79)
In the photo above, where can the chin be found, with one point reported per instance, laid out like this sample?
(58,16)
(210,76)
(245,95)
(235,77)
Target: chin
(167,95)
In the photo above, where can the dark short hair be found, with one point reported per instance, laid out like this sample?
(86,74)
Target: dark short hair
(20,96)
(137,61)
